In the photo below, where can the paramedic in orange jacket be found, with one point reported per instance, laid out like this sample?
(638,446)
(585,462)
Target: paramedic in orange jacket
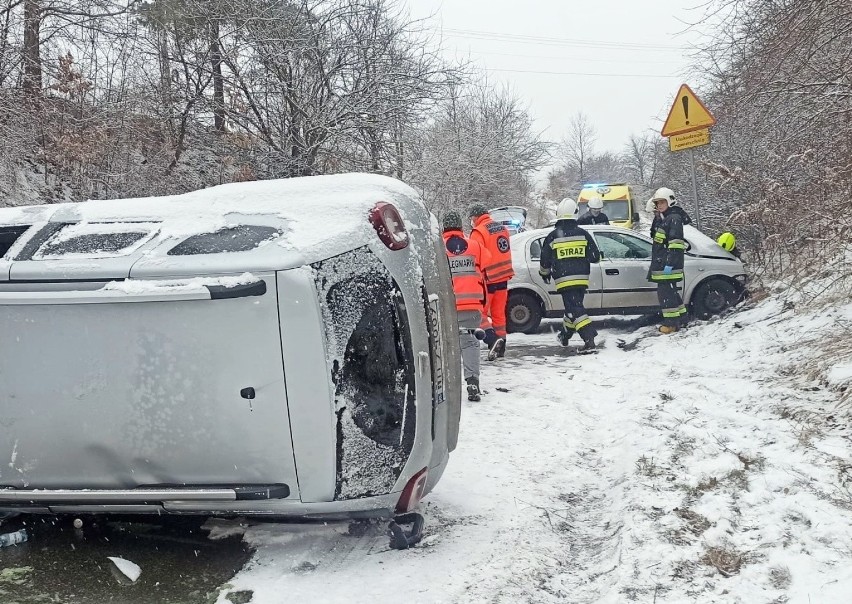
(466,260)
(494,237)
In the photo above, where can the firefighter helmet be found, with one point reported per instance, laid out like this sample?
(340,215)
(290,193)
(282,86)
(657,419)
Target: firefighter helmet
(665,193)
(727,241)
(567,209)
(596,203)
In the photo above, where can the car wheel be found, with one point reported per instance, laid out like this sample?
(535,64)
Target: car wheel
(712,298)
(523,313)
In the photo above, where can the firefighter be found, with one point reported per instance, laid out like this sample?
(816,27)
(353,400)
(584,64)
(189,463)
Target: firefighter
(494,238)
(667,258)
(466,258)
(594,215)
(565,257)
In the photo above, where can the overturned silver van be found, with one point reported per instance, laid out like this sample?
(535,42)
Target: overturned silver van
(282,348)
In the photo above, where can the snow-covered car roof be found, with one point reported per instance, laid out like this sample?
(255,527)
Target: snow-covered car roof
(19,215)
(312,217)
(699,243)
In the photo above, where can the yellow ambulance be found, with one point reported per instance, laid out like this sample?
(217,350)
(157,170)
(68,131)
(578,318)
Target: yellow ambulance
(619,205)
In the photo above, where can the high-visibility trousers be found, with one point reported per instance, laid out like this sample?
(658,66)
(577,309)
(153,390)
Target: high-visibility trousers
(494,316)
(576,319)
(671,303)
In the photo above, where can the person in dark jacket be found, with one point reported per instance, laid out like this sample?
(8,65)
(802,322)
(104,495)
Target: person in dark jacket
(667,258)
(594,215)
(652,208)
(565,257)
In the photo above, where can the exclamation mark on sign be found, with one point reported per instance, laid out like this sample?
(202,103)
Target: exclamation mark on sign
(685,100)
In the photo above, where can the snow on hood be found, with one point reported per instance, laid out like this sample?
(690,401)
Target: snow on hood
(703,245)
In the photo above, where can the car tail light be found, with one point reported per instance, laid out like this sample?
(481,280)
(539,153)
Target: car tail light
(389,225)
(413,492)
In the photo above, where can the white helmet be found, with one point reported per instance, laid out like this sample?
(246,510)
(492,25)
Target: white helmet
(567,209)
(665,193)
(596,203)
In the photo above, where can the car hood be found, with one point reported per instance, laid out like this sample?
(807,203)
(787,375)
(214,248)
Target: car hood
(702,245)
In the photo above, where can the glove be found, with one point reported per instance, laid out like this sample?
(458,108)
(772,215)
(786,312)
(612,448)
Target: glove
(667,270)
(545,277)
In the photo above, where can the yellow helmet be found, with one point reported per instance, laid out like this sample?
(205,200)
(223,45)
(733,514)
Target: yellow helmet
(727,241)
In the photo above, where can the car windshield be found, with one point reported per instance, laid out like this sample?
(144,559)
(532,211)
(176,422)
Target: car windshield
(617,210)
(614,210)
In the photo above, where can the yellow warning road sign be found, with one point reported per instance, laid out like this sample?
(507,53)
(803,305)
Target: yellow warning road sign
(696,138)
(687,114)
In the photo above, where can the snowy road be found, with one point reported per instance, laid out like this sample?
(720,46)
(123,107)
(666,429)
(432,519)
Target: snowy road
(694,468)
(708,466)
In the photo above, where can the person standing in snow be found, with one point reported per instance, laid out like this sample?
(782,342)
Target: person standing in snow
(467,258)
(494,238)
(594,215)
(566,255)
(667,258)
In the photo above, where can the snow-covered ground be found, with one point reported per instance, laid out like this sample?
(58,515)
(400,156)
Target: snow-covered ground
(707,466)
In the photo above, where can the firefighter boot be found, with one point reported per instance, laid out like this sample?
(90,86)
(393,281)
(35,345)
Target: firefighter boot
(473,393)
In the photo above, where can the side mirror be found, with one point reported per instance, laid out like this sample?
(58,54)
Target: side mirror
(635,216)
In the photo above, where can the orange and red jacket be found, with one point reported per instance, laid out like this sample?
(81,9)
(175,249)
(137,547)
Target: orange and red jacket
(466,259)
(494,237)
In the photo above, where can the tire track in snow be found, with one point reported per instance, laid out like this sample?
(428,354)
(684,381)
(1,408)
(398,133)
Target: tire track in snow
(582,523)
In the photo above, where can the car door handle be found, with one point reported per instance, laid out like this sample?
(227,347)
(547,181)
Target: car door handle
(612,271)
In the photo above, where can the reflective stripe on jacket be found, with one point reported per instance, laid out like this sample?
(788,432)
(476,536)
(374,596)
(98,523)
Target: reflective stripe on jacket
(669,246)
(466,258)
(566,255)
(494,237)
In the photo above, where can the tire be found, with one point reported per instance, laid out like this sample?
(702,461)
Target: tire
(523,313)
(713,297)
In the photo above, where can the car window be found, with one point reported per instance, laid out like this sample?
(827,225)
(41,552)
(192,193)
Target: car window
(234,239)
(619,246)
(94,240)
(9,235)
(535,249)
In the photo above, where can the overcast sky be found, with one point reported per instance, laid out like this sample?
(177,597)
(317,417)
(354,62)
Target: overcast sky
(637,49)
